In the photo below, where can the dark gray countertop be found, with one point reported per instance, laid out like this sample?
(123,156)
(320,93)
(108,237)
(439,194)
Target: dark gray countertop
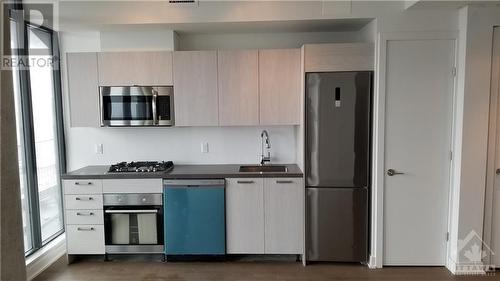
(216,171)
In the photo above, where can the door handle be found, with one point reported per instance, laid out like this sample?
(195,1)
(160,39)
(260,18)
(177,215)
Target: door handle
(392,172)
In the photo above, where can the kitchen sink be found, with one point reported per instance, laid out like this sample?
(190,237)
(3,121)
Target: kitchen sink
(263,169)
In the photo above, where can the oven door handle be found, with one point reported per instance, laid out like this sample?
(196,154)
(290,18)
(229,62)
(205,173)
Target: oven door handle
(131,211)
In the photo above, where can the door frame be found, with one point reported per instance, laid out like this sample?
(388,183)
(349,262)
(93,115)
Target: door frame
(378,162)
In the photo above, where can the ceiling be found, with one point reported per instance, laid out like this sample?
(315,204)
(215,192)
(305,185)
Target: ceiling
(330,25)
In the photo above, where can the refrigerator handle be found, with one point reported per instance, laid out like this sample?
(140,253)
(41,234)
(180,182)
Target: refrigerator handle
(313,202)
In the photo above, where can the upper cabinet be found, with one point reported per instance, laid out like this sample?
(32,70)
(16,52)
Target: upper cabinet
(83,89)
(135,68)
(338,57)
(195,87)
(279,86)
(238,87)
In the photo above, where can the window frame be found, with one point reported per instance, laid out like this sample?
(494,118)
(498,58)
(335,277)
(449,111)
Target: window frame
(22,29)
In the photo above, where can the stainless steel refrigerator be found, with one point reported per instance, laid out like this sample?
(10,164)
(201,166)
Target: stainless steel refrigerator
(338,142)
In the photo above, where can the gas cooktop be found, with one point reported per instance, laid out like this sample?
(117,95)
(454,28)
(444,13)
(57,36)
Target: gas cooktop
(141,167)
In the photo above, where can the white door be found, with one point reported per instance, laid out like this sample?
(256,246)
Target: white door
(495,95)
(419,97)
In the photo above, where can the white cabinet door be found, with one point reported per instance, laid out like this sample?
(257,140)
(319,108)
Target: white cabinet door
(85,239)
(238,87)
(83,89)
(279,86)
(284,215)
(244,216)
(195,83)
(83,202)
(135,68)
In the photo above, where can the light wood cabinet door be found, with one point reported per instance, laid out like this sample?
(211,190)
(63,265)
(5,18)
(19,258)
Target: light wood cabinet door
(195,83)
(135,68)
(244,216)
(339,57)
(284,215)
(83,89)
(279,86)
(238,87)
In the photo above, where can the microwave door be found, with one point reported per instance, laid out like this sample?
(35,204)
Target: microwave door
(126,106)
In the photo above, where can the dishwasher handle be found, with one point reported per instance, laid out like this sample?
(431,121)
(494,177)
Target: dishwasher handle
(193,183)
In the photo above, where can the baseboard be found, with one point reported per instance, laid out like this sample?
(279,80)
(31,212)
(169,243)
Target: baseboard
(46,256)
(457,269)
(372,262)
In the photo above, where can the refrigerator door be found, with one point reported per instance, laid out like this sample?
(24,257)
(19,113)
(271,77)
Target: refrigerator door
(337,224)
(338,129)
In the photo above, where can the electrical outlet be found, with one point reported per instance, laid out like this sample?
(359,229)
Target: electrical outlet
(99,148)
(204,147)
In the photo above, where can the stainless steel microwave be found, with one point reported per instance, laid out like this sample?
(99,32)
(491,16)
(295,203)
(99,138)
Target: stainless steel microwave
(132,106)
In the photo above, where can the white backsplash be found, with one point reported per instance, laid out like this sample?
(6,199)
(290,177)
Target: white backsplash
(226,145)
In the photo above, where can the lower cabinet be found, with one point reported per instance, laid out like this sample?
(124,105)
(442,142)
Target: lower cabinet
(84,239)
(284,215)
(245,216)
(264,215)
(83,210)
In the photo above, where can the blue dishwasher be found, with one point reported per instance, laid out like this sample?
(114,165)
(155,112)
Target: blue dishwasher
(194,217)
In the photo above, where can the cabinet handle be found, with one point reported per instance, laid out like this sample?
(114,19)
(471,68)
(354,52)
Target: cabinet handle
(83,183)
(81,199)
(85,214)
(244,181)
(85,229)
(282,181)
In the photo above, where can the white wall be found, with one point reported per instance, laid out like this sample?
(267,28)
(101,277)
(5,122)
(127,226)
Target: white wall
(190,42)
(473,98)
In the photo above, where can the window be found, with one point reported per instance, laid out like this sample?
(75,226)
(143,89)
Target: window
(40,140)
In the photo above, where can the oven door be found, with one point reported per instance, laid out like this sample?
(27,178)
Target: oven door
(133,229)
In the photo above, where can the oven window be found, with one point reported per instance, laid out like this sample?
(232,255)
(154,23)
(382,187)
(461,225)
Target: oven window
(127,108)
(134,229)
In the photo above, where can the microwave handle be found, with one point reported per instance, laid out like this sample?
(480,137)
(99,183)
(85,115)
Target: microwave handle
(153,104)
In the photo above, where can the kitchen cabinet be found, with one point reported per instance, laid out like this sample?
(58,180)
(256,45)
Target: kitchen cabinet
(84,218)
(195,83)
(338,57)
(284,215)
(279,86)
(264,215)
(135,68)
(244,216)
(83,89)
(238,83)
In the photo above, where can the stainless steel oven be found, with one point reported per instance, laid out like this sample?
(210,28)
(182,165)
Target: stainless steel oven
(133,223)
(136,106)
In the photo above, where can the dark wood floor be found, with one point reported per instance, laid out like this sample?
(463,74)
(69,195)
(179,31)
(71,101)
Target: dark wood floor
(240,271)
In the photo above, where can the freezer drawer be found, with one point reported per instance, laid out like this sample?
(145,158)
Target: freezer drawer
(337,224)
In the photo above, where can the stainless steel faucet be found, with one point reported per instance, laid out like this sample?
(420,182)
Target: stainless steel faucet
(264,158)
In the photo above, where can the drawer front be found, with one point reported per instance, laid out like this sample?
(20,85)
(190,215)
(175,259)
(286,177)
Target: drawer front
(85,239)
(82,186)
(84,217)
(132,186)
(83,202)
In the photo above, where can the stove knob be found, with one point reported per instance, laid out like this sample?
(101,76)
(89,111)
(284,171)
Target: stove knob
(144,199)
(120,199)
